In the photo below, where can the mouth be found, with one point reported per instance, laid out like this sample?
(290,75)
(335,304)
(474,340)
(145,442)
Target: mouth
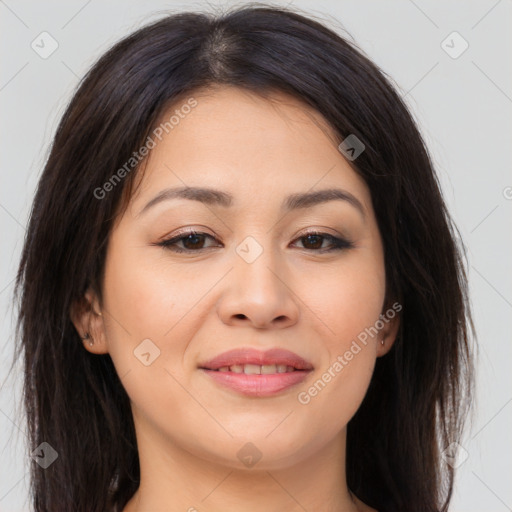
(259,374)
(256,369)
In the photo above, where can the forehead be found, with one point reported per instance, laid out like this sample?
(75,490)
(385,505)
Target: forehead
(236,140)
(274,122)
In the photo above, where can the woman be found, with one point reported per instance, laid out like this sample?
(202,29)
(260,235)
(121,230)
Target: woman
(240,286)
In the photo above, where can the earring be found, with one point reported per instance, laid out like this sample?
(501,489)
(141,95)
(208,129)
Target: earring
(87,336)
(382,341)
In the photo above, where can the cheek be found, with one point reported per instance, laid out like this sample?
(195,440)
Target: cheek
(146,301)
(146,295)
(137,295)
(346,300)
(331,401)
(149,298)
(347,304)
(349,344)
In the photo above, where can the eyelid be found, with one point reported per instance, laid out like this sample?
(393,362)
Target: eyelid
(187,231)
(197,228)
(167,241)
(338,242)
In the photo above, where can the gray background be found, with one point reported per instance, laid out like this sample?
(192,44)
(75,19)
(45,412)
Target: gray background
(462,104)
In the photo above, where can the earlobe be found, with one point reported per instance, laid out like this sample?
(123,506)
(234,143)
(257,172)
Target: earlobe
(88,321)
(384,346)
(91,345)
(88,337)
(389,332)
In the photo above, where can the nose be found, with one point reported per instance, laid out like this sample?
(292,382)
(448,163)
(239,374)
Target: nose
(259,294)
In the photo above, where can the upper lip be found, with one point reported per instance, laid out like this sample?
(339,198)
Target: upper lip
(243,356)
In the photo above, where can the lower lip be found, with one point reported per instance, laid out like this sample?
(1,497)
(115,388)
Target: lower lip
(258,385)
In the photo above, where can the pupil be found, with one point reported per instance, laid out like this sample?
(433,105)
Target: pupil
(192,238)
(317,237)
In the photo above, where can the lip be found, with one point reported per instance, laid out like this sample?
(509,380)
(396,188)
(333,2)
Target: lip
(257,385)
(251,356)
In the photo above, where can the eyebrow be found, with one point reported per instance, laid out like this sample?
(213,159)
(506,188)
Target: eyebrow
(215,197)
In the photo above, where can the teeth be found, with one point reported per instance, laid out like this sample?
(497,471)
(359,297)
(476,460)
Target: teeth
(252,369)
(256,369)
(268,368)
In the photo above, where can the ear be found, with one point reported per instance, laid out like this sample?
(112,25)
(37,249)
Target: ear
(390,317)
(87,317)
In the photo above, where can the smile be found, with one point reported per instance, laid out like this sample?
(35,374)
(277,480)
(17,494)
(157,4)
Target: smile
(258,374)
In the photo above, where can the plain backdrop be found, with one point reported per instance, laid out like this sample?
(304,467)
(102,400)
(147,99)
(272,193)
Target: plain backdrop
(459,88)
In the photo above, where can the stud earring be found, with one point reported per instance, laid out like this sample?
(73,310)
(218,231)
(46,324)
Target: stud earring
(382,341)
(87,336)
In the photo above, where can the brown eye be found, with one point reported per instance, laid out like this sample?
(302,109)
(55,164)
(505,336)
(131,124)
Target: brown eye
(195,242)
(313,241)
(191,242)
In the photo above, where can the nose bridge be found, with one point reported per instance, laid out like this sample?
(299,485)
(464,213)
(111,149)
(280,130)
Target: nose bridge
(256,266)
(257,293)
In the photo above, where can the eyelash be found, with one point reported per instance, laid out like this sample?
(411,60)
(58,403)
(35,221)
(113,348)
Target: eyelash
(339,244)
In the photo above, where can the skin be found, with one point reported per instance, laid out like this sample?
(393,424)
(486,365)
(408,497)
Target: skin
(194,306)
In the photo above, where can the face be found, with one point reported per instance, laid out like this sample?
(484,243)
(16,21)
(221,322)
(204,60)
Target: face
(265,270)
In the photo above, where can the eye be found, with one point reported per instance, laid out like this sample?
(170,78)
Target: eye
(313,240)
(193,242)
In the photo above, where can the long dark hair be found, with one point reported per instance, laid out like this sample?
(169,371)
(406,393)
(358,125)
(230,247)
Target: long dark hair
(74,400)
